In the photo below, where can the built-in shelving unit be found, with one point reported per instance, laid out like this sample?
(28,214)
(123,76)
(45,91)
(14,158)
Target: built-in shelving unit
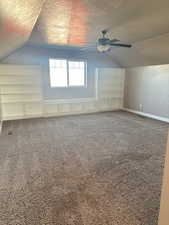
(21,93)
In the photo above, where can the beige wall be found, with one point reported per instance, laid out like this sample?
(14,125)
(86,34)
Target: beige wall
(0,112)
(164,208)
(29,55)
(147,90)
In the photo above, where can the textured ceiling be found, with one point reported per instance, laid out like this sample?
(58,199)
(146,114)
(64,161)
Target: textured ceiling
(17,19)
(145,24)
(62,22)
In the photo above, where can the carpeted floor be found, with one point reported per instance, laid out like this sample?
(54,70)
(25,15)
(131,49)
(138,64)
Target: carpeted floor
(98,169)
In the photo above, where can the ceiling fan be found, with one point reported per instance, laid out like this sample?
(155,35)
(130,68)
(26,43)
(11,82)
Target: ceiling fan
(105,44)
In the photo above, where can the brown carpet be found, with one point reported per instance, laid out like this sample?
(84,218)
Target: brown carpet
(99,169)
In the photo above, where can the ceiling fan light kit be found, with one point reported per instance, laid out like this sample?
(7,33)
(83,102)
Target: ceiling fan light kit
(103,48)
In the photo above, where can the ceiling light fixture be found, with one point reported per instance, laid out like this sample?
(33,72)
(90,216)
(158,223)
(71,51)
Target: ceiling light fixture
(103,48)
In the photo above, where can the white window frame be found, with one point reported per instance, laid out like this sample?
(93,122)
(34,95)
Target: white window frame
(67,63)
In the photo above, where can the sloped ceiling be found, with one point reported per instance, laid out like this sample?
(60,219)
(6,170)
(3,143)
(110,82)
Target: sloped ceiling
(144,24)
(17,19)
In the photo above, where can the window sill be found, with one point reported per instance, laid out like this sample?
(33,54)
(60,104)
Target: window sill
(69,87)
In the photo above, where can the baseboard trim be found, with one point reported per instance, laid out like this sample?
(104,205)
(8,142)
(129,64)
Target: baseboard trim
(8,118)
(1,122)
(71,113)
(164,119)
(58,114)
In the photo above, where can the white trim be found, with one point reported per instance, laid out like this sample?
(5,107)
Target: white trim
(164,119)
(80,112)
(23,117)
(71,100)
(1,122)
(58,114)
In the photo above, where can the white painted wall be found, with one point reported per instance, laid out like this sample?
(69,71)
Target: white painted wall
(22,95)
(147,90)
(0,112)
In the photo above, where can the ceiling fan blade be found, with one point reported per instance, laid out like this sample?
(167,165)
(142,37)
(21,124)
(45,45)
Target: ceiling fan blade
(121,45)
(114,40)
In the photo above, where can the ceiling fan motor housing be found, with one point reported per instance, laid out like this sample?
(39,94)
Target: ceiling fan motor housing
(103,41)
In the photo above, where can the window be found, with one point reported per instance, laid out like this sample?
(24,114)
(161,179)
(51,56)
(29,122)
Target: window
(58,73)
(65,73)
